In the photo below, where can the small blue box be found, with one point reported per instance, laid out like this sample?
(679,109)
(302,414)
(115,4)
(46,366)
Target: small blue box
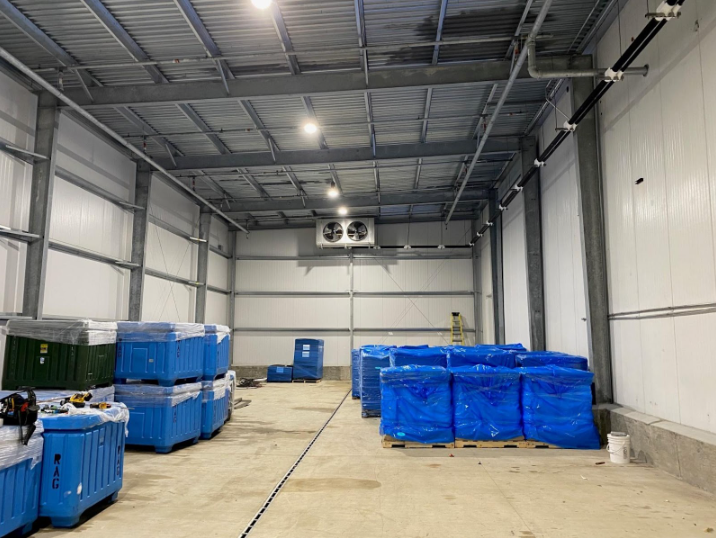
(20,472)
(162,417)
(279,374)
(214,407)
(83,462)
(217,343)
(159,351)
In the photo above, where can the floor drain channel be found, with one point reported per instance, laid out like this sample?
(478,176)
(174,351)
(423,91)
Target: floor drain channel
(282,482)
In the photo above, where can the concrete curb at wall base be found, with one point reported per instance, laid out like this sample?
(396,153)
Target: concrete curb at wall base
(330,373)
(685,452)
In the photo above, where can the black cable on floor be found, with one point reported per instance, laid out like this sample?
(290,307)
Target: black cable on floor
(282,482)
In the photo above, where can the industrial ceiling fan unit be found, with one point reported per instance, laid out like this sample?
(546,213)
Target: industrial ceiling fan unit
(345,232)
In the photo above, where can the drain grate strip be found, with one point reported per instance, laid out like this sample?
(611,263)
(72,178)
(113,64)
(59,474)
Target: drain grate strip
(276,490)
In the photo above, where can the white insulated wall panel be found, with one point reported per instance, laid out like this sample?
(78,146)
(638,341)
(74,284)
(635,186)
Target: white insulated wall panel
(17,126)
(84,154)
(82,219)
(660,231)
(383,275)
(412,312)
(217,308)
(77,287)
(488,308)
(293,275)
(176,209)
(220,236)
(424,233)
(514,273)
(167,301)
(265,348)
(563,269)
(298,242)
(293,312)
(219,268)
(170,253)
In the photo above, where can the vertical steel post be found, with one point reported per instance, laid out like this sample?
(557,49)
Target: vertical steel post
(498,292)
(142,198)
(202,266)
(352,302)
(533,246)
(43,183)
(589,182)
(232,288)
(477,287)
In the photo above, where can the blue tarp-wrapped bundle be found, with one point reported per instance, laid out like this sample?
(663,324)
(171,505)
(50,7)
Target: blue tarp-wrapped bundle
(355,373)
(416,404)
(419,356)
(557,407)
(510,347)
(486,403)
(458,356)
(552,358)
(372,359)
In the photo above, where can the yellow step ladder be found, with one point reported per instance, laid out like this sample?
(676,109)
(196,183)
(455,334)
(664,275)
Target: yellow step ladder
(456,335)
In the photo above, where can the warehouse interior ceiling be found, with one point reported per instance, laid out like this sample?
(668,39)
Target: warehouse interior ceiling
(261,111)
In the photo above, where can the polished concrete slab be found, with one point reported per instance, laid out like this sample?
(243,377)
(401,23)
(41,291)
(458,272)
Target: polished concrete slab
(349,486)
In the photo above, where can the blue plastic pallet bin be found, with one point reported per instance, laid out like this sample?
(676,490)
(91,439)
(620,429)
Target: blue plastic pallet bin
(156,351)
(277,373)
(217,343)
(231,389)
(20,472)
(83,463)
(162,417)
(214,406)
(308,359)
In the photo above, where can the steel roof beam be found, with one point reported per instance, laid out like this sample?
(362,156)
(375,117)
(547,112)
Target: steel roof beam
(311,84)
(494,146)
(238,209)
(30,29)
(122,36)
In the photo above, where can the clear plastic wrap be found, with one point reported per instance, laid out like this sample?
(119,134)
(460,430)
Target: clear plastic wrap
(416,404)
(221,331)
(486,402)
(355,373)
(459,356)
(77,418)
(557,407)
(157,331)
(83,332)
(510,347)
(214,390)
(418,355)
(372,359)
(156,396)
(12,451)
(552,358)
(103,394)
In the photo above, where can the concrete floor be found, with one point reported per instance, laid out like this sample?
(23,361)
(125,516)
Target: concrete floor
(350,487)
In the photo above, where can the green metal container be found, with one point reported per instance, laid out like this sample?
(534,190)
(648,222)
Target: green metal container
(41,364)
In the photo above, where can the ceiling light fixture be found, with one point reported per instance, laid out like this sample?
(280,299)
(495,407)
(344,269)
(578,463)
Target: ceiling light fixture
(310,127)
(343,211)
(333,191)
(261,4)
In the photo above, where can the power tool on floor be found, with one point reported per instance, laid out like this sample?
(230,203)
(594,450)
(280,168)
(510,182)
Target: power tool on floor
(18,410)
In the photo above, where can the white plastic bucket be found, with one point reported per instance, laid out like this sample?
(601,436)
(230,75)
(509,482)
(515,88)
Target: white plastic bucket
(619,447)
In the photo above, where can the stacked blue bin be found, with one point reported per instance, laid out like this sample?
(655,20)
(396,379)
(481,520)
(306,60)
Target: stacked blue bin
(355,374)
(83,461)
(419,356)
(20,472)
(416,404)
(279,373)
(372,359)
(217,342)
(162,417)
(160,352)
(552,358)
(486,403)
(214,407)
(557,407)
(459,356)
(308,359)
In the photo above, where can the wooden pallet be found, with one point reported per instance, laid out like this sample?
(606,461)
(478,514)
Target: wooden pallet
(305,381)
(392,442)
(519,442)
